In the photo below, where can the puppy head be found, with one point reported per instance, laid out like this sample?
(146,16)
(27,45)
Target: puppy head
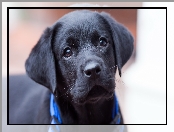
(77,57)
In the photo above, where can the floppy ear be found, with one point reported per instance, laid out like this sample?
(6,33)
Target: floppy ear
(40,65)
(123,41)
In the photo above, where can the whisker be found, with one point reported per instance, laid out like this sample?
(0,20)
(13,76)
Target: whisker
(112,78)
(69,88)
(113,67)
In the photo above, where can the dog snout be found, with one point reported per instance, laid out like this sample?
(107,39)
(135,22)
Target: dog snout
(92,70)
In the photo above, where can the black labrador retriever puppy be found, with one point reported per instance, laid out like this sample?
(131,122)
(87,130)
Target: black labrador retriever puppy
(76,60)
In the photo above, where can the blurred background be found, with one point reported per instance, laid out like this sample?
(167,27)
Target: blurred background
(27,25)
(141,89)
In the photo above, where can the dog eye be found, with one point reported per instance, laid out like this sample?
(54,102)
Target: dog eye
(103,41)
(67,52)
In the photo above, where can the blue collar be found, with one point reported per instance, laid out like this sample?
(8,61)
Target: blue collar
(56,118)
(54,111)
(115,113)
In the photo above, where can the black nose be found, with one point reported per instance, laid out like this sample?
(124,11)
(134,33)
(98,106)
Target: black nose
(92,69)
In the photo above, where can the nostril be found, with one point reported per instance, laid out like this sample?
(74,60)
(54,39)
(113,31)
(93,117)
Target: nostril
(98,70)
(88,72)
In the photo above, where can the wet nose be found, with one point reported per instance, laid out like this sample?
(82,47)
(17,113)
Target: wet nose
(92,69)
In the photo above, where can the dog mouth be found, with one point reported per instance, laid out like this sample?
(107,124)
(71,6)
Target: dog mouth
(96,93)
(93,95)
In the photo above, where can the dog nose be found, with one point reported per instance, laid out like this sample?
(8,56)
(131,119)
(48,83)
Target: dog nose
(92,69)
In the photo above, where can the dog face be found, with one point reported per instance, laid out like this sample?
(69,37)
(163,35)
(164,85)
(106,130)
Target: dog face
(85,56)
(76,58)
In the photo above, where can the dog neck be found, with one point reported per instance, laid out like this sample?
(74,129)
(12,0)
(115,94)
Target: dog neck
(100,112)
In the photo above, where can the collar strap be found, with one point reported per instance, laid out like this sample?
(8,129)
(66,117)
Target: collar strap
(116,117)
(56,118)
(54,111)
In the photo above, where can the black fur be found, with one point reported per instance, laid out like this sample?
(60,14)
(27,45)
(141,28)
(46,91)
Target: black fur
(82,80)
